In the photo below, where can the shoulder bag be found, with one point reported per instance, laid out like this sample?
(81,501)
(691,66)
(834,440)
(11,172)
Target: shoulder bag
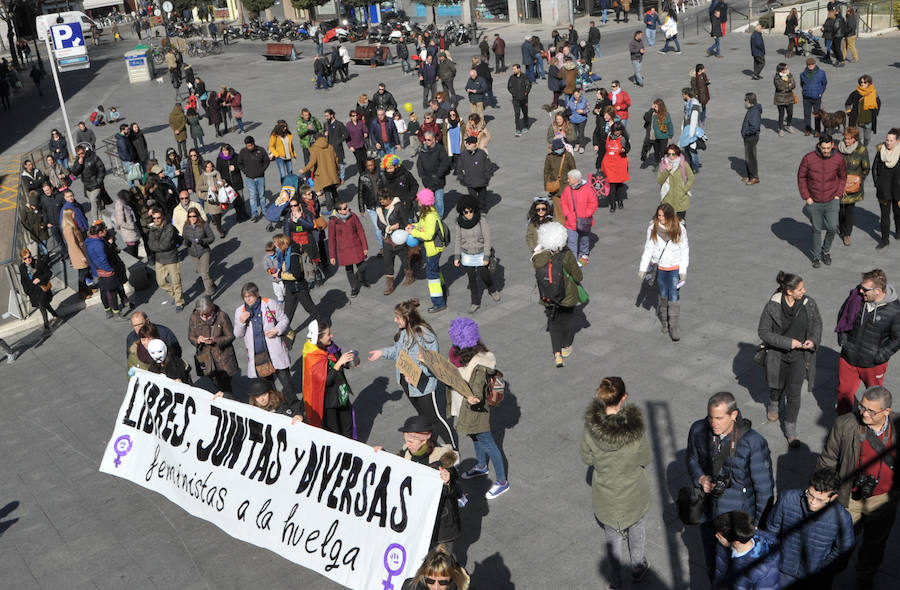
(582,224)
(653,268)
(853,183)
(551,186)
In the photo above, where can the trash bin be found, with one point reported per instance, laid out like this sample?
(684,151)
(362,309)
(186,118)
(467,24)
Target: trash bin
(139,65)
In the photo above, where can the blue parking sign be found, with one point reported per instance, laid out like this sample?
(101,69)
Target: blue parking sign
(67,36)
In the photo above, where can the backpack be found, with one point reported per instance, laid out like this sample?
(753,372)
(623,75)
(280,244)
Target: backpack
(551,282)
(441,234)
(600,184)
(494,388)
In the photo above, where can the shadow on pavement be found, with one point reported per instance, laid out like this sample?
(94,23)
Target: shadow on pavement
(4,512)
(793,232)
(492,573)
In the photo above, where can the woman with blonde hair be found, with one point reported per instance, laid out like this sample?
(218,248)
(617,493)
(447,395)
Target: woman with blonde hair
(281,148)
(665,263)
(439,571)
(74,237)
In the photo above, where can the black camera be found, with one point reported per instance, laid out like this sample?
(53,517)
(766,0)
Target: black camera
(720,484)
(864,486)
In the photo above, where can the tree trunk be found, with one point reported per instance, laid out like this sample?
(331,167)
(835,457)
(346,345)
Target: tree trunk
(434,14)
(12,44)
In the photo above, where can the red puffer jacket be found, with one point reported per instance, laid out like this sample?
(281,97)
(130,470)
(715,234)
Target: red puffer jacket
(346,240)
(821,179)
(615,162)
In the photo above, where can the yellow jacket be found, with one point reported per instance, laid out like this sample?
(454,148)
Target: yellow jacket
(276,147)
(425,230)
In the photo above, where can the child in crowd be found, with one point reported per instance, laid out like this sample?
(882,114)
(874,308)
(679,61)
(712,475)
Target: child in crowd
(400,124)
(412,131)
(98,117)
(272,263)
(114,115)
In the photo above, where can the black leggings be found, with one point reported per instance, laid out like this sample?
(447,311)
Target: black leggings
(426,406)
(339,421)
(785,115)
(390,251)
(473,272)
(112,294)
(845,218)
(617,192)
(792,374)
(886,207)
(360,155)
(659,147)
(298,292)
(559,323)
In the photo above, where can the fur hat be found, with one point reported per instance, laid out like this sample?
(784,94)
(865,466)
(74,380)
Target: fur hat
(425,197)
(464,332)
(557,145)
(552,236)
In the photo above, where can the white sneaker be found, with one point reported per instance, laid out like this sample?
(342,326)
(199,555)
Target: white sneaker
(497,489)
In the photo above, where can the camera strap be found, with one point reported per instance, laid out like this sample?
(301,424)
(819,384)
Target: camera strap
(719,456)
(878,446)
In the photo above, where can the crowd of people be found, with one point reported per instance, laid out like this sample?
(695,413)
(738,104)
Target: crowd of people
(176,207)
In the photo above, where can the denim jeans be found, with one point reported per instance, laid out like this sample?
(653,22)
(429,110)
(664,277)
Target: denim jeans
(638,79)
(539,68)
(256,189)
(667,283)
(529,71)
(651,36)
(672,40)
(605,11)
(373,217)
(284,167)
(823,216)
(597,50)
(405,66)
(386,149)
(439,201)
(715,48)
(435,280)
(693,158)
(486,448)
(64,162)
(578,242)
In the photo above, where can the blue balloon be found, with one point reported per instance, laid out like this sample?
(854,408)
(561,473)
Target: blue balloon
(412,241)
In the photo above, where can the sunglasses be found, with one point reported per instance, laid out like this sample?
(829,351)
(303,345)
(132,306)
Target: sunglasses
(26,258)
(342,209)
(671,154)
(429,581)
(540,208)
(157,217)
(295,205)
(189,216)
(866,290)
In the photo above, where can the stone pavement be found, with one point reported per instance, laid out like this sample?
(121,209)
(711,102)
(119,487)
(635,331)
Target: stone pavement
(65,525)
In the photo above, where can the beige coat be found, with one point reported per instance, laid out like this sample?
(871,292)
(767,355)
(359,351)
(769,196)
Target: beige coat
(323,163)
(75,244)
(204,182)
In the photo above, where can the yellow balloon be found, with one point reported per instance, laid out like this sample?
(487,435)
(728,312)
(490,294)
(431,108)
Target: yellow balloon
(408,107)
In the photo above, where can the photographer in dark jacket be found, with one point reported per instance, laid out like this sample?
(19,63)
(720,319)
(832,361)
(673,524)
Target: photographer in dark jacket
(856,449)
(52,201)
(35,276)
(433,166)
(90,168)
(475,171)
(366,197)
(163,239)
(730,463)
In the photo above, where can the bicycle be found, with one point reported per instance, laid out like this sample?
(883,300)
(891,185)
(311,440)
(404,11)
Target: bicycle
(195,49)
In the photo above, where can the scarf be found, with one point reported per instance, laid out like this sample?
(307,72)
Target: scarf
(845,149)
(889,157)
(615,94)
(256,322)
(345,216)
(226,158)
(870,97)
(666,166)
(469,223)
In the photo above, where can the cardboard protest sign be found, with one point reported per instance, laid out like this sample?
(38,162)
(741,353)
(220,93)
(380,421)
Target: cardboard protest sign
(408,368)
(445,371)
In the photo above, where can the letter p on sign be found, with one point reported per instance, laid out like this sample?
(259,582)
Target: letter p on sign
(67,36)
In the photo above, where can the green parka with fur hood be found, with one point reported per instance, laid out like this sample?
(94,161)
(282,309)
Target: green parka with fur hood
(616,446)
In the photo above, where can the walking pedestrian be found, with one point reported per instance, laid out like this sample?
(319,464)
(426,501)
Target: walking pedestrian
(790,327)
(558,274)
(578,203)
(651,21)
(886,176)
(253,161)
(475,171)
(431,230)
(281,148)
(446,71)
(198,236)
(665,261)
(178,124)
(433,166)
(856,158)
(519,85)
(347,246)
(326,391)
(750,128)
(308,128)
(675,179)
(636,52)
(813,81)
(499,49)
(784,97)
(36,276)
(700,87)
(393,215)
(689,126)
(473,249)
(162,239)
(863,106)
(615,165)
(757,51)
(822,180)
(211,332)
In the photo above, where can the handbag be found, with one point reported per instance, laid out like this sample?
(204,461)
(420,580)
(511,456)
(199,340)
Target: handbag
(853,183)
(759,357)
(45,287)
(690,504)
(203,362)
(794,97)
(583,296)
(653,268)
(582,224)
(134,172)
(552,186)
(263,364)
(493,262)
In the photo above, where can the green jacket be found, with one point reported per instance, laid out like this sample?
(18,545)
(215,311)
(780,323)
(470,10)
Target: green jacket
(307,135)
(476,419)
(659,133)
(617,448)
(541,259)
(857,163)
(678,195)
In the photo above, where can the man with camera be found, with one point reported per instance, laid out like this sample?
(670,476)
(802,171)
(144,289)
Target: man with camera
(863,449)
(730,463)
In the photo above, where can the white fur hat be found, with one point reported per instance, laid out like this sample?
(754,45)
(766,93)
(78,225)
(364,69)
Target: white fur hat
(552,236)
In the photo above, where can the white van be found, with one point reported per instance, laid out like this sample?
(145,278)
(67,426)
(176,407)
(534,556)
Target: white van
(44,21)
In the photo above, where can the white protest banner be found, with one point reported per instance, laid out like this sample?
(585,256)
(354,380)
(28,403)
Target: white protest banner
(328,503)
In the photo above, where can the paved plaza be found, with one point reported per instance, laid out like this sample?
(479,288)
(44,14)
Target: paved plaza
(65,525)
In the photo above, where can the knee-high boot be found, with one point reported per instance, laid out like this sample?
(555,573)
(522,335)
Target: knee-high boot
(674,313)
(662,309)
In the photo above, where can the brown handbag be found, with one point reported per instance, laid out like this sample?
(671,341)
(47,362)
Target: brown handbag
(552,186)
(45,287)
(263,364)
(853,183)
(794,97)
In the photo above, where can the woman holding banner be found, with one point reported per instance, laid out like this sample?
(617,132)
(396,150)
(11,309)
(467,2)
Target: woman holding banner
(326,393)
(261,394)
(415,378)
(439,571)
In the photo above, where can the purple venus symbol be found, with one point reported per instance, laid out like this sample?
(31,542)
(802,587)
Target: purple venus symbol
(121,448)
(394,562)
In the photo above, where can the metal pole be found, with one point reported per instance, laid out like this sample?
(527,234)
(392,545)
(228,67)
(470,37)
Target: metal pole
(59,94)
(572,12)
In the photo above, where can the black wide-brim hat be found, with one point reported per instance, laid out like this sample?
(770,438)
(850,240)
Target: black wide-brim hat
(417,424)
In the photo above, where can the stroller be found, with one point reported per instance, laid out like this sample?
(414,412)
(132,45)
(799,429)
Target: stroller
(586,78)
(805,43)
(274,212)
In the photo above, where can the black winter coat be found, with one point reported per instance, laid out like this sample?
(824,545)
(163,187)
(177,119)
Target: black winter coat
(475,168)
(253,162)
(232,178)
(41,271)
(448,525)
(366,196)
(52,207)
(887,180)
(770,331)
(875,336)
(163,242)
(433,165)
(92,172)
(139,143)
(401,184)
